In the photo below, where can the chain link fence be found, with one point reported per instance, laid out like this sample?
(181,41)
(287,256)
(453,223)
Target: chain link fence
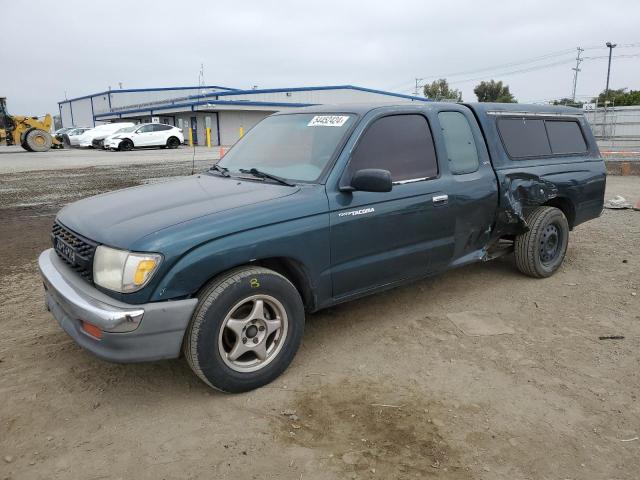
(617,130)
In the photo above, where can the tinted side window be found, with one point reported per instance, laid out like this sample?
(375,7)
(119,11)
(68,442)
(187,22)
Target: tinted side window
(145,129)
(158,127)
(565,137)
(401,144)
(458,138)
(524,137)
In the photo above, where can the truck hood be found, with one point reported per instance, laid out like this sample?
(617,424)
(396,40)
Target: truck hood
(120,218)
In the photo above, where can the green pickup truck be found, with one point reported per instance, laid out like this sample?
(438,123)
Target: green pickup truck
(312,208)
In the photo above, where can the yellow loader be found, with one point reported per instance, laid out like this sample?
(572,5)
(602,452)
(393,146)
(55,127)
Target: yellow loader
(31,133)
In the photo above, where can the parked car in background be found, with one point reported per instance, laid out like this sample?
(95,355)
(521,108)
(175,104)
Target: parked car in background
(58,133)
(70,137)
(145,135)
(108,141)
(100,132)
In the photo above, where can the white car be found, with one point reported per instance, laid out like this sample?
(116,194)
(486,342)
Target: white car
(100,132)
(70,137)
(145,135)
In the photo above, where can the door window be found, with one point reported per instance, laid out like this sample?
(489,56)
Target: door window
(146,129)
(158,127)
(401,144)
(458,138)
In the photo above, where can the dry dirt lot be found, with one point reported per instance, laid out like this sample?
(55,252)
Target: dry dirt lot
(391,386)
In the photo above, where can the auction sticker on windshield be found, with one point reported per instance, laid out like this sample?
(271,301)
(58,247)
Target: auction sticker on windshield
(328,121)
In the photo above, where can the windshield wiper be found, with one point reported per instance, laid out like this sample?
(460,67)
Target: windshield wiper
(224,171)
(260,174)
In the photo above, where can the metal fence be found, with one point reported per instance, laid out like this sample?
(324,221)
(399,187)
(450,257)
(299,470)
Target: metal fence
(617,130)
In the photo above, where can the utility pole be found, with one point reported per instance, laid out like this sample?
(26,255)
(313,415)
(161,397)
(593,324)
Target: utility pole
(575,75)
(611,46)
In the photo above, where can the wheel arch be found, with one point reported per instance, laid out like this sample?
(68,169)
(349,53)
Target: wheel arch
(296,273)
(565,205)
(291,269)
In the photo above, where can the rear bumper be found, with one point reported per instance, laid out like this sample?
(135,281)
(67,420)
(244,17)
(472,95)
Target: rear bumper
(130,333)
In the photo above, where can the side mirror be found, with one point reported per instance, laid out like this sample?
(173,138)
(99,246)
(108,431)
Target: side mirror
(371,180)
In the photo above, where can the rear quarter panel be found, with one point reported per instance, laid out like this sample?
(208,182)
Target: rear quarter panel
(575,180)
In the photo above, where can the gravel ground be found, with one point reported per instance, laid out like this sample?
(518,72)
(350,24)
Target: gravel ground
(480,373)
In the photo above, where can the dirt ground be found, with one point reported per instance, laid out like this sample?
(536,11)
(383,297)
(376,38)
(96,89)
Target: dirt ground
(397,385)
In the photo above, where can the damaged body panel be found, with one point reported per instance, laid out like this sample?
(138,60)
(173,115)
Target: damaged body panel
(573,181)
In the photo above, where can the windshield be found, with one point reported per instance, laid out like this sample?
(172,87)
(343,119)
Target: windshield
(127,129)
(296,147)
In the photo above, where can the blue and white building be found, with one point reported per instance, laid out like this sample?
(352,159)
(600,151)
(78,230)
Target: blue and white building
(226,111)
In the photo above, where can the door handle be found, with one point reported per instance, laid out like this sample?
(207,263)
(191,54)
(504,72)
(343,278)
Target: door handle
(440,199)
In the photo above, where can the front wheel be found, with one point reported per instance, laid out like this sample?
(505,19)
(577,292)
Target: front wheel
(540,251)
(173,142)
(246,329)
(125,145)
(38,140)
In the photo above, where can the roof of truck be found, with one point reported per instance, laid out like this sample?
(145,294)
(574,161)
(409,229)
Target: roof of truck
(515,108)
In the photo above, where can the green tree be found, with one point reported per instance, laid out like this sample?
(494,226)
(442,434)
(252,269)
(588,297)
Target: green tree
(620,97)
(568,102)
(493,91)
(440,90)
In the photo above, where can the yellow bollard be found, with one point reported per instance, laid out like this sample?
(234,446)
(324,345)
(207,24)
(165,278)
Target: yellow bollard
(209,137)
(190,137)
(241,132)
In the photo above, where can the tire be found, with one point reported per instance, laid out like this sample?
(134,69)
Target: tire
(173,142)
(23,140)
(231,303)
(125,145)
(38,140)
(540,251)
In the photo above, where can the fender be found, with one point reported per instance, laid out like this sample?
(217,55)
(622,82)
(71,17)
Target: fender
(304,241)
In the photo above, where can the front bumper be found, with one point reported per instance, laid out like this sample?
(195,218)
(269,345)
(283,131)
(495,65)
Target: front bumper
(155,330)
(112,144)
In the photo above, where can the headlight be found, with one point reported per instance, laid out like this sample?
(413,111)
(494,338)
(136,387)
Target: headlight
(123,271)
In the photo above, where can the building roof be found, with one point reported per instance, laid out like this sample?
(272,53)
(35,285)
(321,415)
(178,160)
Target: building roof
(152,89)
(227,98)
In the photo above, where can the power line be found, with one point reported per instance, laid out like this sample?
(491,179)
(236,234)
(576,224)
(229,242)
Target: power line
(496,68)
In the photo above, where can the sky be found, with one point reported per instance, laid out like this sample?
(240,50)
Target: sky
(82,47)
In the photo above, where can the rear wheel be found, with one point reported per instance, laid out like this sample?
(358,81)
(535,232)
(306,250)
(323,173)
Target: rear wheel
(125,145)
(246,329)
(540,251)
(173,142)
(38,140)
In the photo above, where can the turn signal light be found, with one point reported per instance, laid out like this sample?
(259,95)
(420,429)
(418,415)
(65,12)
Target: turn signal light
(92,330)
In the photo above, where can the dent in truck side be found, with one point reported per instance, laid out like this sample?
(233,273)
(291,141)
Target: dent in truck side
(573,183)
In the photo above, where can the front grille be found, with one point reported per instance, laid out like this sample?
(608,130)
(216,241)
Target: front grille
(83,250)
(97,142)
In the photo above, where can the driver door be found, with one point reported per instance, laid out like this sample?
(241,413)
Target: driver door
(380,238)
(143,136)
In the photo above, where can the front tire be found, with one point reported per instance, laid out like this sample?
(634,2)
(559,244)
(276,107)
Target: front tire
(125,145)
(246,329)
(38,140)
(540,251)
